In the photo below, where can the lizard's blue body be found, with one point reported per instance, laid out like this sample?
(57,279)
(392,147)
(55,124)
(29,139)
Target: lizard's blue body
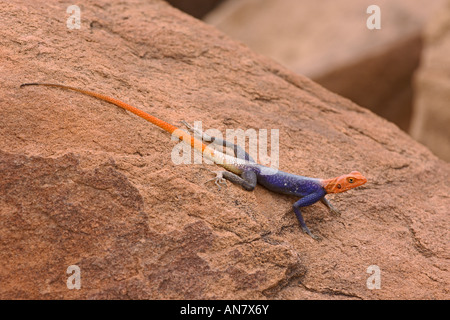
(309,189)
(283,182)
(291,184)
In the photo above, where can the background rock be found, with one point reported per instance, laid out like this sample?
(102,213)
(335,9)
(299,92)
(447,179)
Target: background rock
(430,123)
(84,183)
(329,42)
(196,8)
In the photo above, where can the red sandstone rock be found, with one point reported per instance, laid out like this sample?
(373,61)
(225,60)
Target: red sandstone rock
(84,183)
(431,118)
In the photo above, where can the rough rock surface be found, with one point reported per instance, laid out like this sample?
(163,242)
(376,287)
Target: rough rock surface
(84,183)
(329,42)
(431,117)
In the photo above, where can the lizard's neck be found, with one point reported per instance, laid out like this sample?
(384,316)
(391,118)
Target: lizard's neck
(330,185)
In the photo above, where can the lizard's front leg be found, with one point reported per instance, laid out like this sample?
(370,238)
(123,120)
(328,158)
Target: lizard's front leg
(330,206)
(303,202)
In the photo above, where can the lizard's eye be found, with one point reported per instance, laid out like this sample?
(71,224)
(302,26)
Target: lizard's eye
(351,180)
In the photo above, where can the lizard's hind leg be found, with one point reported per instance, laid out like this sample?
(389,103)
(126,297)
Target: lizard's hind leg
(247,180)
(239,152)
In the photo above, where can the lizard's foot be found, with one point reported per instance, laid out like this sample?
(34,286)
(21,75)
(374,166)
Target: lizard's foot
(330,206)
(187,125)
(218,179)
(335,211)
(306,230)
(199,134)
(191,128)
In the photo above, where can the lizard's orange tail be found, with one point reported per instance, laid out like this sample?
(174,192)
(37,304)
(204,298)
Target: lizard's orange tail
(160,123)
(182,135)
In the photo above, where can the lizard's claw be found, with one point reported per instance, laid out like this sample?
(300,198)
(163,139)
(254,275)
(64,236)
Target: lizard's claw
(188,126)
(195,131)
(334,210)
(218,179)
(306,230)
(331,207)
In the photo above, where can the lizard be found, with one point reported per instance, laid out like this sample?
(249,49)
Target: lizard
(241,169)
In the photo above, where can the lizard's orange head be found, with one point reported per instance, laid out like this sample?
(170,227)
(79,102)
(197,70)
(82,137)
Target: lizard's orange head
(343,183)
